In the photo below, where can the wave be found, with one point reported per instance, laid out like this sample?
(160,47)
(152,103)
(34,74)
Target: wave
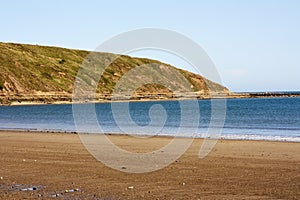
(189,135)
(260,137)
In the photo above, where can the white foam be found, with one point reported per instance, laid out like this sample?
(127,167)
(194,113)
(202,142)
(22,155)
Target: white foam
(260,137)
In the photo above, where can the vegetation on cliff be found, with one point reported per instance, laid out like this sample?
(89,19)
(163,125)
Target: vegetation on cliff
(41,73)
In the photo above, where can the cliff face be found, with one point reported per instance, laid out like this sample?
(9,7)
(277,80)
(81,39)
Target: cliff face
(47,74)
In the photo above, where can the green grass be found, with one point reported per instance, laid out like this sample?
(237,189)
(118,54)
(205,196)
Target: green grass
(50,69)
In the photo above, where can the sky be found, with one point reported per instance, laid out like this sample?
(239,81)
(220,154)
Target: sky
(255,44)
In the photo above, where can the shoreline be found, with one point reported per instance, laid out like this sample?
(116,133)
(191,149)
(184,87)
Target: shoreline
(222,138)
(250,95)
(59,163)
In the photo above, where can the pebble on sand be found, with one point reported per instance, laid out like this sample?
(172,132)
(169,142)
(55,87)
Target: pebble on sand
(72,190)
(55,195)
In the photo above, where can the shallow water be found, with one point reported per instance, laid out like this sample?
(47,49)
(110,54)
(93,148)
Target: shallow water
(261,119)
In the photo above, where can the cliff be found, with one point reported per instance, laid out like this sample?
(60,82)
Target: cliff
(33,73)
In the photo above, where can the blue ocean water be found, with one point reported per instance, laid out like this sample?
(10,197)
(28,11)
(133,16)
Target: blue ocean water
(259,119)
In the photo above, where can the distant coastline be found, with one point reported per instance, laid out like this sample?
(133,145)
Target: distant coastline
(264,94)
(33,74)
(67,98)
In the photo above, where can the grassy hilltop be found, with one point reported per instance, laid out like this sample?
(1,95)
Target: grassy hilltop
(47,74)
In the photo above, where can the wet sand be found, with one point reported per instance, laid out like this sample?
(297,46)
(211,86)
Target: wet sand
(54,162)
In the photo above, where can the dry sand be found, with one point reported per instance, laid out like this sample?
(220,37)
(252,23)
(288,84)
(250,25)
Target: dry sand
(54,162)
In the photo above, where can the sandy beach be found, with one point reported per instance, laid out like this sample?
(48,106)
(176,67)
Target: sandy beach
(57,163)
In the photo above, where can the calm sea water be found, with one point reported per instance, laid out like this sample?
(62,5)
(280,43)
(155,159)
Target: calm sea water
(260,119)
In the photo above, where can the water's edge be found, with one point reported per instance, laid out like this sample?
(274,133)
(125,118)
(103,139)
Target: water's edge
(272,119)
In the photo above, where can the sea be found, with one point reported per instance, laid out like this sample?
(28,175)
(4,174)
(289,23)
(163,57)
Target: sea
(274,119)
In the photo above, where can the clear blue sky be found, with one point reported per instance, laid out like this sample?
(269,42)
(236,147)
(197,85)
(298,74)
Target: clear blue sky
(255,44)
